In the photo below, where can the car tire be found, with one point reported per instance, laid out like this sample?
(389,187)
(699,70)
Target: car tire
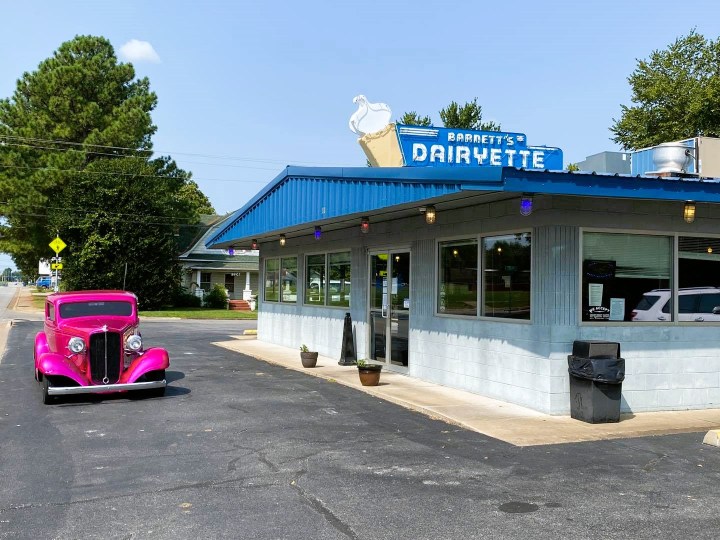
(47,399)
(157,375)
(155,392)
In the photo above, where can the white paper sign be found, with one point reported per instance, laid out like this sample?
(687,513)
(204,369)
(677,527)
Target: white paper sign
(617,309)
(595,294)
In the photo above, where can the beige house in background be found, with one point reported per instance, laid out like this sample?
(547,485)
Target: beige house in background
(203,268)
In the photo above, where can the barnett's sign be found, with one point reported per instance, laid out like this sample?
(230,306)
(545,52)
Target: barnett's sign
(447,147)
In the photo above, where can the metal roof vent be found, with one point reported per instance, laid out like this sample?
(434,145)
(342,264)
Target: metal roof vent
(671,159)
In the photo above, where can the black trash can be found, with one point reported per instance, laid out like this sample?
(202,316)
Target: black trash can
(596,376)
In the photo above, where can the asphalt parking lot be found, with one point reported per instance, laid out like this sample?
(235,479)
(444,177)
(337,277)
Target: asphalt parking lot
(240,448)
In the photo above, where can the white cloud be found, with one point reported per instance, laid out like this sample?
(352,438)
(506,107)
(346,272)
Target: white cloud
(139,51)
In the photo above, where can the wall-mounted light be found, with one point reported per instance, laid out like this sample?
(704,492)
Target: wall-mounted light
(282,239)
(365,225)
(318,232)
(689,211)
(254,244)
(526,204)
(430,215)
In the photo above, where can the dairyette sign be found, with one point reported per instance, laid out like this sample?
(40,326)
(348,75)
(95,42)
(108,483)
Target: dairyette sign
(447,147)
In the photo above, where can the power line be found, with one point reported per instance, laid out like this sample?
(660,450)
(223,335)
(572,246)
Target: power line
(89,211)
(114,215)
(110,173)
(163,152)
(144,158)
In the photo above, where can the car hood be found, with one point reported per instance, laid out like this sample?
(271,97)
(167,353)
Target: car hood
(91,325)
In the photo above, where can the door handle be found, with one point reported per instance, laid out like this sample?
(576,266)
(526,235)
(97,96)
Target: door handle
(661,318)
(383,311)
(700,319)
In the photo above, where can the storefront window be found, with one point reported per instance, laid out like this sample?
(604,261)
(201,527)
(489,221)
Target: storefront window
(698,279)
(457,274)
(506,276)
(626,277)
(288,279)
(327,279)
(315,280)
(272,280)
(339,283)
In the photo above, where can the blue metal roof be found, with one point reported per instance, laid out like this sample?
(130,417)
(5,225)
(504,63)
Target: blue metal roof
(308,195)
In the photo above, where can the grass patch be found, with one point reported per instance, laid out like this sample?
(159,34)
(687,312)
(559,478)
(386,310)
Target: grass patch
(38,301)
(201,313)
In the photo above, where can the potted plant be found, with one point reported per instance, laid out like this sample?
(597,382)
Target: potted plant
(308,357)
(369,373)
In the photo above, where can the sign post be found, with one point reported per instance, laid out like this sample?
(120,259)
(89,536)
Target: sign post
(57,246)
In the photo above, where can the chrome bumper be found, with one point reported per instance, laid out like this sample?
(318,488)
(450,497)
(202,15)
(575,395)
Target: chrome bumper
(101,388)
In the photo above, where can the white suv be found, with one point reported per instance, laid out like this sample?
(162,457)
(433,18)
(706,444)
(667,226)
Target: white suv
(695,304)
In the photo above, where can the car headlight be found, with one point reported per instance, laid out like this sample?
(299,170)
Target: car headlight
(133,343)
(76,345)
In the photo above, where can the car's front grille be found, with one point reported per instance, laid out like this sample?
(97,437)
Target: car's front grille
(105,357)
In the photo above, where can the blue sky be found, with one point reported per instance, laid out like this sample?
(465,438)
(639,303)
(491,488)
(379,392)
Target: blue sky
(246,88)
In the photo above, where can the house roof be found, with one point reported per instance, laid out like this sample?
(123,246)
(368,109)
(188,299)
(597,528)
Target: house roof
(199,256)
(303,197)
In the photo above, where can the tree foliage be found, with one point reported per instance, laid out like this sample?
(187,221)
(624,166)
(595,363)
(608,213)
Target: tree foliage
(468,116)
(676,95)
(414,119)
(75,160)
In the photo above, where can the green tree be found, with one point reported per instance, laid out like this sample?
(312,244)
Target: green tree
(124,234)
(468,116)
(676,95)
(572,167)
(414,119)
(79,121)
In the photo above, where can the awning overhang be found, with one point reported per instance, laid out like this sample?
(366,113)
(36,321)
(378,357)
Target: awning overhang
(301,198)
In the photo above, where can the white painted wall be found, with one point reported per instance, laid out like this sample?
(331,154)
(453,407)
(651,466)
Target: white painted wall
(668,366)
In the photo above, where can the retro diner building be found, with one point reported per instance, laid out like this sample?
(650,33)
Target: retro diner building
(472,268)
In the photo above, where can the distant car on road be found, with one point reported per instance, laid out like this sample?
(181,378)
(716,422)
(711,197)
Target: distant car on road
(44,282)
(91,343)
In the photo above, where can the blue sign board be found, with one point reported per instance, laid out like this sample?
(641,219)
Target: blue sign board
(447,147)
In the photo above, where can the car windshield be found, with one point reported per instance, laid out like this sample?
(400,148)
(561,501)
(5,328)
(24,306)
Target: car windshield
(86,309)
(646,302)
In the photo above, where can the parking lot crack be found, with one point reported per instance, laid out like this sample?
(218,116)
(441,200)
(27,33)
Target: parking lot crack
(318,505)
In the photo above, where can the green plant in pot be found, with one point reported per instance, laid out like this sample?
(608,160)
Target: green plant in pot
(308,357)
(369,373)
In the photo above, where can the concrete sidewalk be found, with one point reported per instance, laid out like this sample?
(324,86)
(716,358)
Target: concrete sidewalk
(510,423)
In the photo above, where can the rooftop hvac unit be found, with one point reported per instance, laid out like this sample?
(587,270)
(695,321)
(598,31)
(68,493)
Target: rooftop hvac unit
(695,157)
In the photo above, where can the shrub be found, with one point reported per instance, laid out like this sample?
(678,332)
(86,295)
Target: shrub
(185,299)
(216,298)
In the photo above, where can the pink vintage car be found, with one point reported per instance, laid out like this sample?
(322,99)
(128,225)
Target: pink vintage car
(91,344)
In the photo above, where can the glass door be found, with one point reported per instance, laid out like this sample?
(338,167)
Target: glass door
(389,306)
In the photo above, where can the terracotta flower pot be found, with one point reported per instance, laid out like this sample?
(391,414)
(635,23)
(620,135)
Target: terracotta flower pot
(309,359)
(369,375)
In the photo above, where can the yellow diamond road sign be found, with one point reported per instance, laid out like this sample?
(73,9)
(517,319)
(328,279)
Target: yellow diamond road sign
(57,245)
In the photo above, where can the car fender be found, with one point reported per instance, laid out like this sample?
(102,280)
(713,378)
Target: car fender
(41,347)
(54,364)
(151,360)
